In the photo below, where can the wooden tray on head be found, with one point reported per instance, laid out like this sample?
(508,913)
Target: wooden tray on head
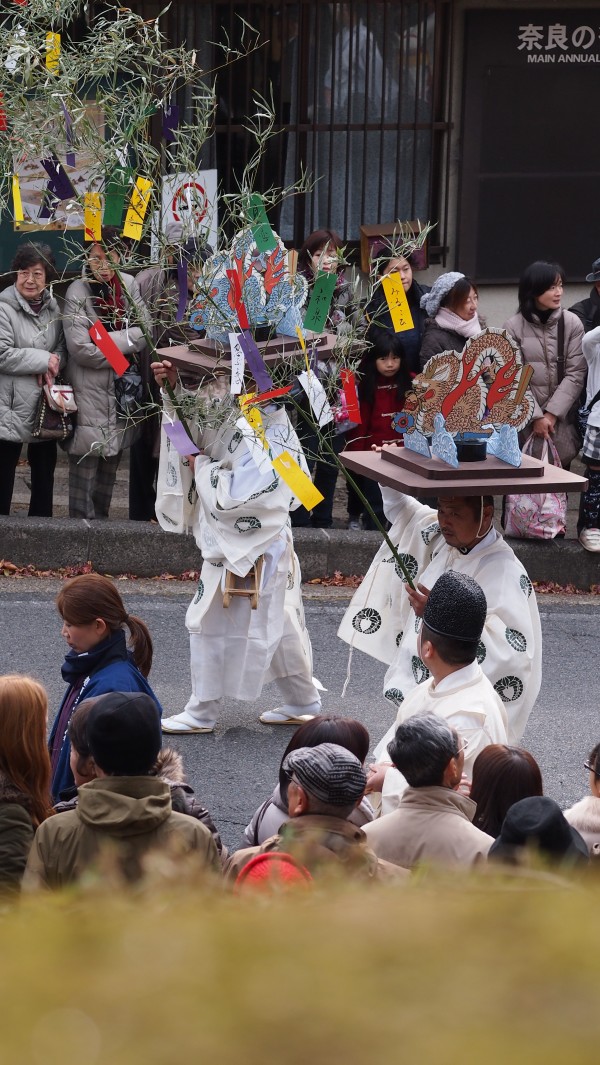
(436,470)
(382,467)
(205,356)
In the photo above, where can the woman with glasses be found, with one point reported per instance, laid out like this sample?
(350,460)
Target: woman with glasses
(585,814)
(550,341)
(32,351)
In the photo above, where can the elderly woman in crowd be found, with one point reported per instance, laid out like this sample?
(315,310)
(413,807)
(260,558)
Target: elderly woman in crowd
(32,350)
(103,293)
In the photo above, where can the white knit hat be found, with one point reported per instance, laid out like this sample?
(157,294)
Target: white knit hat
(430,302)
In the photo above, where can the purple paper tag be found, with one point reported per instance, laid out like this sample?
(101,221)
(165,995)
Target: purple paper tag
(254,362)
(59,182)
(170,122)
(179,439)
(182,281)
(70,156)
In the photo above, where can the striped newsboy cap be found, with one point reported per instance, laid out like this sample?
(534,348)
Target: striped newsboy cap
(328,772)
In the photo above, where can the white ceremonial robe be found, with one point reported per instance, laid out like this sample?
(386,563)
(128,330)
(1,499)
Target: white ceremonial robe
(238,514)
(381,622)
(468,702)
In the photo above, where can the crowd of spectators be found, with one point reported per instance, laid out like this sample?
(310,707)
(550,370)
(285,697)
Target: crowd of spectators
(40,340)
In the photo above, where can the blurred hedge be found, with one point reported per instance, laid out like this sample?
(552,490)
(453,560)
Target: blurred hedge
(452,971)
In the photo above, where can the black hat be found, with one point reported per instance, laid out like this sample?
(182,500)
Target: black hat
(329,772)
(124,734)
(595,274)
(456,607)
(539,822)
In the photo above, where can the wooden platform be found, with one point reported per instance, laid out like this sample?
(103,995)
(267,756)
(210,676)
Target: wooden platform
(436,470)
(206,356)
(414,479)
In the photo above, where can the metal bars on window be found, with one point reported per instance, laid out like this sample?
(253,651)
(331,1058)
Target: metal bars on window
(361,99)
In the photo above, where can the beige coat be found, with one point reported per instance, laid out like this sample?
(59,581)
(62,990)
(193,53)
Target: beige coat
(121,819)
(27,340)
(92,377)
(432,826)
(539,347)
(585,817)
(324,845)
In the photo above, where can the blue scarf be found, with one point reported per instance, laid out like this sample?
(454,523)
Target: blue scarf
(77,665)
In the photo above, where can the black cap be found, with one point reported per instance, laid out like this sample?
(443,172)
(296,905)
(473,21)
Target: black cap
(456,607)
(540,823)
(595,274)
(124,734)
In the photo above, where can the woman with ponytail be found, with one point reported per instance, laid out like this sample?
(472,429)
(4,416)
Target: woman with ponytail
(24,773)
(100,658)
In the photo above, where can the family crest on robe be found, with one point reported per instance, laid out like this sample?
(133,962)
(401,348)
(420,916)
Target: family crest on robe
(381,622)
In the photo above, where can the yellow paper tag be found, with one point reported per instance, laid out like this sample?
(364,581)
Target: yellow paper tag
(397,302)
(246,398)
(92,216)
(303,346)
(138,205)
(52,51)
(17,202)
(296,480)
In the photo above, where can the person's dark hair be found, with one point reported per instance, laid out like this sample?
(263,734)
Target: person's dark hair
(452,652)
(534,281)
(31,254)
(321,238)
(422,748)
(386,255)
(457,295)
(594,759)
(91,596)
(113,240)
(383,341)
(196,251)
(77,727)
(502,776)
(327,728)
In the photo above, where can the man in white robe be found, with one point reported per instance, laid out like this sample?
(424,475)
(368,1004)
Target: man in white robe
(383,618)
(237,514)
(457,690)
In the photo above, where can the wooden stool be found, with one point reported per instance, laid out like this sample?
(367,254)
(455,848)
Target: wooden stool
(248,587)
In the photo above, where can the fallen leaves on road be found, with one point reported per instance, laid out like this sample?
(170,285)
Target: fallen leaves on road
(551,588)
(338,580)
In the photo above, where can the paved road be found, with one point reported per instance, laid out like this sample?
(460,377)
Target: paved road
(234,769)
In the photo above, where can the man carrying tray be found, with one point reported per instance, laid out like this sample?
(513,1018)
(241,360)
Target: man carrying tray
(383,618)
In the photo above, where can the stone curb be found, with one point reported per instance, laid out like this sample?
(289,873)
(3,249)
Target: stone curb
(145,550)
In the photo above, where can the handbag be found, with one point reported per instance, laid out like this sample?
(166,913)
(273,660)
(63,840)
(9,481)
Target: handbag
(129,393)
(537,517)
(55,414)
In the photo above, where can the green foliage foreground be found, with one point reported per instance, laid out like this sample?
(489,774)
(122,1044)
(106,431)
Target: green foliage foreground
(475,971)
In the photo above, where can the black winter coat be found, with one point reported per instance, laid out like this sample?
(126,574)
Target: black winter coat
(588,310)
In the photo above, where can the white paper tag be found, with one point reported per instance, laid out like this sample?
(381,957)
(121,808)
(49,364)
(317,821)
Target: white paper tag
(238,364)
(316,397)
(260,457)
